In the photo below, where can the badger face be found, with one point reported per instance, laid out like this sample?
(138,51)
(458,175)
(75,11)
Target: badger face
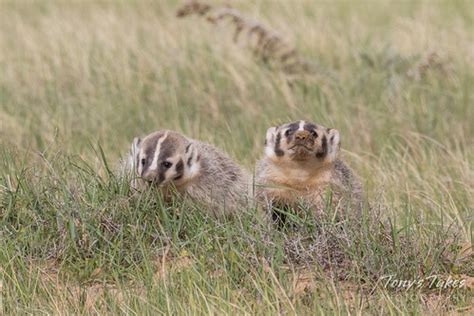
(302,142)
(165,157)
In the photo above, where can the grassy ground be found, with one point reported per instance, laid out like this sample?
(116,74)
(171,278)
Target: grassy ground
(79,80)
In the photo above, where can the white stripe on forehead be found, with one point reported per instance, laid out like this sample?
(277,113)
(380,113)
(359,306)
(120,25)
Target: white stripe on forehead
(301,128)
(154,163)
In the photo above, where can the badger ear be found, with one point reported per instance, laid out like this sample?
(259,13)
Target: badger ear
(135,148)
(334,143)
(190,153)
(136,143)
(191,159)
(270,136)
(133,156)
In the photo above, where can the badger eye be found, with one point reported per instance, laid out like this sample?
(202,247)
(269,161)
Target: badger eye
(143,161)
(315,135)
(166,164)
(287,133)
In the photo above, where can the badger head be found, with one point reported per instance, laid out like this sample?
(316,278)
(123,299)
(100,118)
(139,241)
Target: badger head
(302,143)
(165,157)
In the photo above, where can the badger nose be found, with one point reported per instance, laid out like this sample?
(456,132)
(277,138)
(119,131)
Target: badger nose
(148,177)
(301,135)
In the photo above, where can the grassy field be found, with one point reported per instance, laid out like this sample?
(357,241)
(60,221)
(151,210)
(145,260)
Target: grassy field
(78,80)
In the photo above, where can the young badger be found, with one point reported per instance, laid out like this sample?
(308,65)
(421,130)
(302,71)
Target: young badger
(196,170)
(300,165)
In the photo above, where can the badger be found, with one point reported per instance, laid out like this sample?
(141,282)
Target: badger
(301,168)
(172,162)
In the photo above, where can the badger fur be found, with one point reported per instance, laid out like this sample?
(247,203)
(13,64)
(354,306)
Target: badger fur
(301,167)
(170,161)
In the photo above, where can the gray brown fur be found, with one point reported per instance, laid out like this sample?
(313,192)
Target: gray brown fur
(300,164)
(168,160)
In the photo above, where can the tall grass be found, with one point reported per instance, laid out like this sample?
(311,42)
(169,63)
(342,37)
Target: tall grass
(78,78)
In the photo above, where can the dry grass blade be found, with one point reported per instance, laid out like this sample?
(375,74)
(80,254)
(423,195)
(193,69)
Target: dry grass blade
(430,61)
(267,44)
(193,7)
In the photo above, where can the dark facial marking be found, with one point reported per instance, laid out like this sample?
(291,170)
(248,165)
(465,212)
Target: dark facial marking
(179,170)
(167,164)
(294,126)
(161,173)
(167,149)
(310,126)
(278,150)
(331,140)
(161,177)
(291,129)
(324,148)
(189,161)
(138,164)
(150,153)
(142,162)
(187,148)
(150,149)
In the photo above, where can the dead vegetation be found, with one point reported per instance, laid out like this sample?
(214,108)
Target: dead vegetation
(266,44)
(431,61)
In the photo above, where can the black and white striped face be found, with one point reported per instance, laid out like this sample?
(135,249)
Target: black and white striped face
(302,141)
(165,157)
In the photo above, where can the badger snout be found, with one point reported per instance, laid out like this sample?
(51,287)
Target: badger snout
(152,178)
(304,139)
(302,135)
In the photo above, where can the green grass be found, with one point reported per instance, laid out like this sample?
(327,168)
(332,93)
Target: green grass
(79,79)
